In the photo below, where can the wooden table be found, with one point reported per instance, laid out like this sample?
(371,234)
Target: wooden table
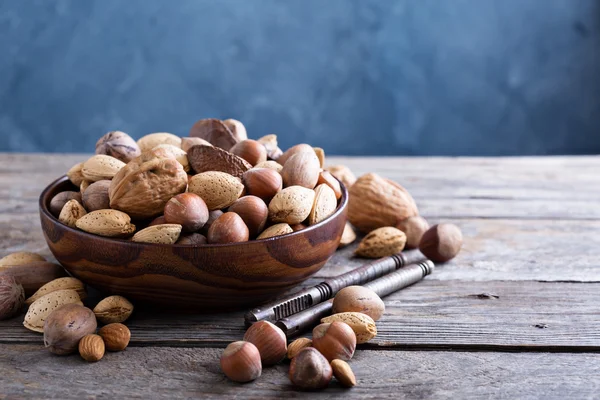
(515,315)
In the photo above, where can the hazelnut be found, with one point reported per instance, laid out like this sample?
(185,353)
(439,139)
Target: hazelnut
(358,299)
(116,336)
(58,202)
(212,217)
(96,197)
(237,129)
(262,182)
(228,228)
(414,228)
(158,221)
(192,239)
(298,227)
(335,340)
(441,242)
(254,213)
(240,362)
(310,370)
(269,340)
(119,145)
(65,326)
(297,345)
(187,210)
(12,297)
(250,150)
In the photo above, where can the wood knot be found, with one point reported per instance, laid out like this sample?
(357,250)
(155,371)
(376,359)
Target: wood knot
(484,296)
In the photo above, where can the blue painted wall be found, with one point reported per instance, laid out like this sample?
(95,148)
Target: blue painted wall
(471,77)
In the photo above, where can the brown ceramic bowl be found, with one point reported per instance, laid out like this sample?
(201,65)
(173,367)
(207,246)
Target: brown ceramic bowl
(205,278)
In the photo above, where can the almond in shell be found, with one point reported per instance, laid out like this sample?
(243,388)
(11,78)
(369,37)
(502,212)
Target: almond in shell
(381,242)
(324,206)
(71,212)
(276,230)
(20,258)
(163,234)
(100,167)
(320,155)
(343,174)
(292,205)
(270,143)
(348,236)
(217,189)
(210,158)
(75,175)
(328,179)
(143,190)
(363,326)
(40,309)
(66,283)
(152,140)
(109,223)
(113,309)
(274,165)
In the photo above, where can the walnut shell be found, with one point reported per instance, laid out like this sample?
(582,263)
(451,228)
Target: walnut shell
(142,190)
(375,202)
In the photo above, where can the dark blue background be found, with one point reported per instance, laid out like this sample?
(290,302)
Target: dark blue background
(478,77)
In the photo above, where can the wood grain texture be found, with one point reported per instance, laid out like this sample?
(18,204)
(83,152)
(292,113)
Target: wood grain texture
(501,315)
(182,373)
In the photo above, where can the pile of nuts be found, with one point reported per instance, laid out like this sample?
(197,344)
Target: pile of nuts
(56,309)
(313,361)
(216,186)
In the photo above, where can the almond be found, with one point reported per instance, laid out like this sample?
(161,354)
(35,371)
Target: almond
(20,258)
(320,155)
(66,283)
(381,242)
(75,175)
(188,142)
(292,205)
(297,345)
(101,167)
(209,158)
(324,206)
(363,326)
(343,174)
(109,223)
(301,169)
(215,132)
(164,234)
(348,236)
(91,347)
(328,179)
(113,309)
(152,140)
(343,373)
(116,336)
(375,202)
(270,143)
(274,165)
(143,190)
(176,153)
(71,212)
(275,230)
(237,129)
(217,189)
(40,309)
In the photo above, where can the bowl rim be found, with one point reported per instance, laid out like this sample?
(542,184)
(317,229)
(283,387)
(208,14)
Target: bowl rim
(44,199)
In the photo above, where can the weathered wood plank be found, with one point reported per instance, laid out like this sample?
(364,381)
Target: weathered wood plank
(527,316)
(493,249)
(182,373)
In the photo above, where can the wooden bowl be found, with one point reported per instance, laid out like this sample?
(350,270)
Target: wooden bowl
(205,278)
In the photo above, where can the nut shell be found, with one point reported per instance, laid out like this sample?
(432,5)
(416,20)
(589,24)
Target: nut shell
(91,348)
(363,326)
(334,340)
(116,336)
(240,362)
(12,297)
(58,202)
(109,223)
(65,327)
(237,129)
(253,211)
(276,230)
(171,151)
(381,242)
(159,234)
(414,228)
(297,149)
(40,310)
(95,197)
(375,202)
(348,236)
(66,283)
(270,143)
(228,228)
(100,167)
(441,242)
(292,205)
(192,239)
(309,370)
(20,258)
(343,174)
(324,206)
(187,210)
(209,158)
(74,174)
(301,169)
(262,182)
(325,177)
(274,165)
(152,140)
(250,150)
(119,145)
(188,142)
(113,309)
(71,212)
(270,341)
(359,299)
(218,189)
(215,132)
